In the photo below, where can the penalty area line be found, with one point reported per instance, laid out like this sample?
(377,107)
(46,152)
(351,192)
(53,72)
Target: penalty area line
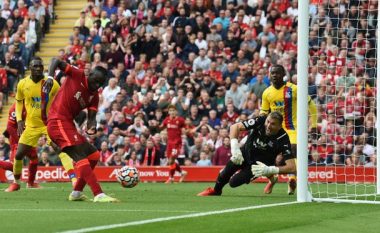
(164,219)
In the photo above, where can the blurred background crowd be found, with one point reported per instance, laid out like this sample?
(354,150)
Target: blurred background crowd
(211,59)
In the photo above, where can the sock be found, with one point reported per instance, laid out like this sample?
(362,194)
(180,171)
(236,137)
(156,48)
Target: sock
(67,164)
(6,165)
(17,169)
(33,164)
(93,159)
(292,177)
(85,172)
(172,169)
(225,176)
(177,167)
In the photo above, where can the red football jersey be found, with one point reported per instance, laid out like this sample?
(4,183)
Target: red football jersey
(12,115)
(174,127)
(73,96)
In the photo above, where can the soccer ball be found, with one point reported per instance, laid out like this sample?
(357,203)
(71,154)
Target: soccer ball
(128,177)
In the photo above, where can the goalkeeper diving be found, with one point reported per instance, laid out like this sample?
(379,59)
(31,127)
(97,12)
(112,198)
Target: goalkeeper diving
(257,157)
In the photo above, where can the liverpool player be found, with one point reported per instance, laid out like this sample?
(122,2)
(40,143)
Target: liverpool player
(175,127)
(77,93)
(36,100)
(266,140)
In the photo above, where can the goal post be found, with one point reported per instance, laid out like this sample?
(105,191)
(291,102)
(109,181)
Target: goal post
(346,183)
(302,105)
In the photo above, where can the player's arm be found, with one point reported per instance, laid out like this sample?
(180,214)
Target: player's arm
(91,122)
(265,105)
(54,64)
(262,169)
(237,156)
(163,125)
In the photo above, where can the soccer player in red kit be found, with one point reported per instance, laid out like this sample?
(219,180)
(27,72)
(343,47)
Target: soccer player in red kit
(12,135)
(174,125)
(78,92)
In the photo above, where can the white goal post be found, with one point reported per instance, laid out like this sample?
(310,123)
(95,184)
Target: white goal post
(362,190)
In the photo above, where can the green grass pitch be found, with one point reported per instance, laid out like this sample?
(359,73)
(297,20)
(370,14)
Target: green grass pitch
(47,210)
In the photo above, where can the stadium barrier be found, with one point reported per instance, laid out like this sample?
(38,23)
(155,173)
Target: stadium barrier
(358,174)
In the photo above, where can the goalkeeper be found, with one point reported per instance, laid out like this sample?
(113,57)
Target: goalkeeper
(266,140)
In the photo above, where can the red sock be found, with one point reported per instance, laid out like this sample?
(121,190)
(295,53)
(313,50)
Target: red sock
(85,172)
(93,159)
(6,165)
(172,170)
(177,167)
(33,164)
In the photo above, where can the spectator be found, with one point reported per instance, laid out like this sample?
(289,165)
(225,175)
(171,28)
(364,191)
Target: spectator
(222,153)
(152,154)
(237,96)
(204,161)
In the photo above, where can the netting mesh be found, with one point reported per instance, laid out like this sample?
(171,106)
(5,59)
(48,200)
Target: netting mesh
(342,82)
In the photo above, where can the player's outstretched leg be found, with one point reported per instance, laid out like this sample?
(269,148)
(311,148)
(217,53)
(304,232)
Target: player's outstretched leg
(6,165)
(77,195)
(223,178)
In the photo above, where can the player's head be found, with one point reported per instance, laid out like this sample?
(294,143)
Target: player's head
(97,78)
(277,73)
(172,110)
(36,68)
(273,123)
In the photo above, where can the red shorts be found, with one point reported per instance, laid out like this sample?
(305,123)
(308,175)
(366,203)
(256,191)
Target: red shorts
(173,149)
(64,133)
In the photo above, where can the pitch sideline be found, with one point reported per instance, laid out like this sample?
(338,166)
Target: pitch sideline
(194,215)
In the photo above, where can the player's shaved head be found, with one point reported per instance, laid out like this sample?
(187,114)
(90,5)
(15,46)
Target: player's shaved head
(97,78)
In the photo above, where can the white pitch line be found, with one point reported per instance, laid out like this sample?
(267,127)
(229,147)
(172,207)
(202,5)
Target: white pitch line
(96,210)
(195,215)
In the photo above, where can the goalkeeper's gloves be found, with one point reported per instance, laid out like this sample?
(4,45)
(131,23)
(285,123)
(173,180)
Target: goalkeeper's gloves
(237,156)
(263,170)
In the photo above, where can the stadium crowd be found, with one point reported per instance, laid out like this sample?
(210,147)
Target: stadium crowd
(211,59)
(23,25)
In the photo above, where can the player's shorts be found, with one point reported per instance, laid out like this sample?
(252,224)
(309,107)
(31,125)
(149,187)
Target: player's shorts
(31,135)
(292,136)
(64,133)
(173,150)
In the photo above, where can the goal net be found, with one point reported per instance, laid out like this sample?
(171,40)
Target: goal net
(342,82)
